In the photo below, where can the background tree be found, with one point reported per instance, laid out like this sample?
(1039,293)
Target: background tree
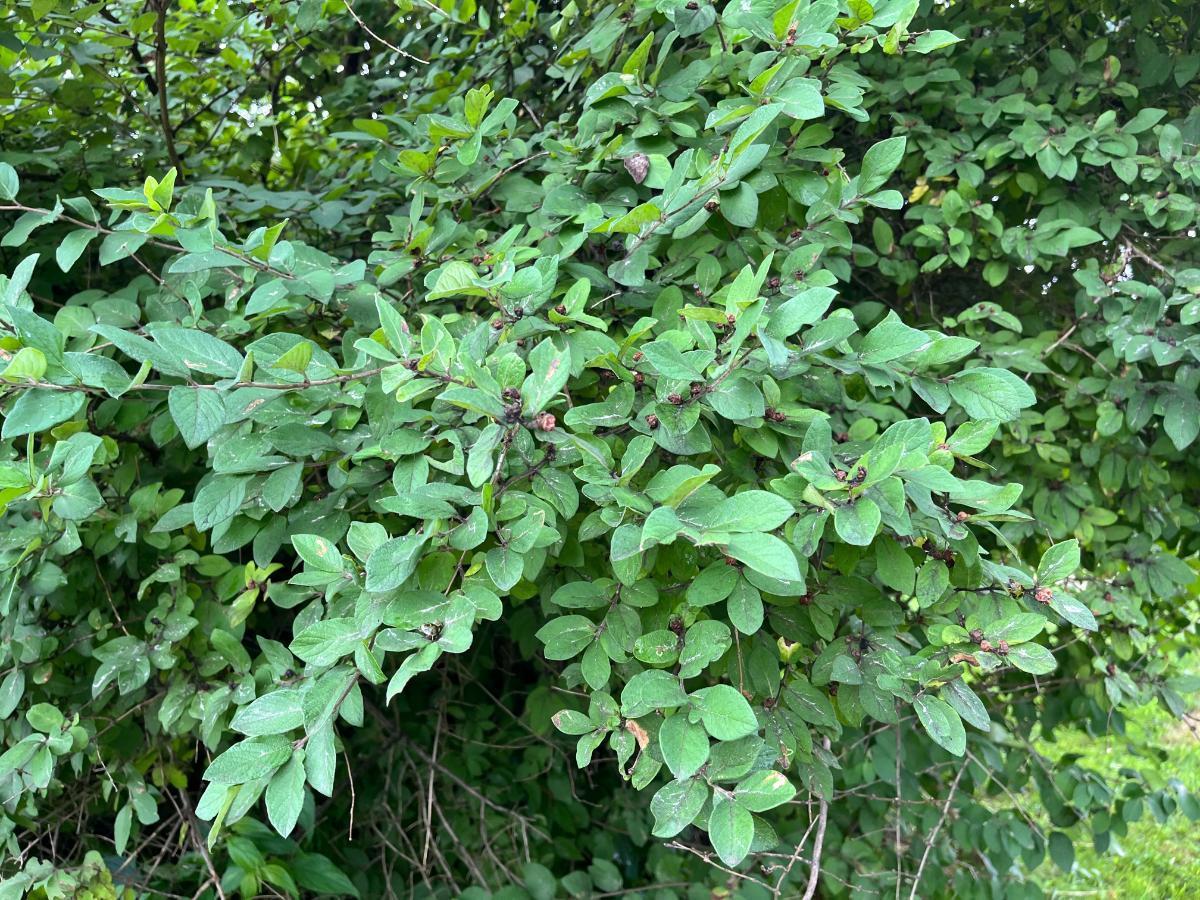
(591,450)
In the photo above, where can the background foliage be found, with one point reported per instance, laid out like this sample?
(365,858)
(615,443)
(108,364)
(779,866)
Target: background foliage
(590,450)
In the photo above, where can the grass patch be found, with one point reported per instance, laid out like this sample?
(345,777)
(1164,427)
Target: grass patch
(1152,860)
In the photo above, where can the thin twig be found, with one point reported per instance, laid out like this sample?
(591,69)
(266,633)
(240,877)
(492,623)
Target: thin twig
(437,735)
(899,817)
(707,857)
(194,831)
(814,874)
(363,25)
(1147,258)
(483,191)
(933,834)
(229,250)
(353,799)
(111,604)
(160,69)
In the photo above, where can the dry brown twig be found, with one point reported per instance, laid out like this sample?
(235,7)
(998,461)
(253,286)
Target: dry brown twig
(363,25)
(933,834)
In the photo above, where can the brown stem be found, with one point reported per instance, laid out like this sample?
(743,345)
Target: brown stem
(363,25)
(814,872)
(160,70)
(933,835)
(198,842)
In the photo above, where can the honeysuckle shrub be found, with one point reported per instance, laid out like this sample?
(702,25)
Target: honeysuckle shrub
(463,450)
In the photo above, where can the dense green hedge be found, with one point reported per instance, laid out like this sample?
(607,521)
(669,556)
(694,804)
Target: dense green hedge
(598,450)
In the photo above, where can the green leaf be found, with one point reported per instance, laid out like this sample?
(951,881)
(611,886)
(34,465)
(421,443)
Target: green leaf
(218,501)
(314,872)
(750,511)
(660,527)
(765,553)
(933,579)
(745,607)
(595,666)
(731,830)
(737,398)
(18,282)
(649,691)
(570,721)
(669,361)
(44,717)
(539,881)
(296,359)
(676,805)
(1181,419)
(879,163)
(942,723)
(120,245)
(12,689)
(704,643)
(724,712)
(857,522)
(991,394)
(967,704)
(763,790)
(972,437)
(391,564)
(891,339)
(28,364)
(805,308)
(1170,142)
(933,40)
(37,410)
(1062,851)
(1060,561)
(455,279)
(198,414)
(318,553)
(274,713)
(251,759)
(121,827)
(285,794)
(810,703)
(740,206)
(550,370)
(657,648)
(320,764)
(1032,658)
(566,636)
(324,643)
(894,566)
(72,247)
(1073,611)
(197,350)
(801,98)
(9,183)
(1017,628)
(684,746)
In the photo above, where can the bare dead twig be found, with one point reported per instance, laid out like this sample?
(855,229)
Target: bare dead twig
(160,70)
(437,735)
(707,857)
(194,831)
(933,834)
(814,873)
(363,25)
